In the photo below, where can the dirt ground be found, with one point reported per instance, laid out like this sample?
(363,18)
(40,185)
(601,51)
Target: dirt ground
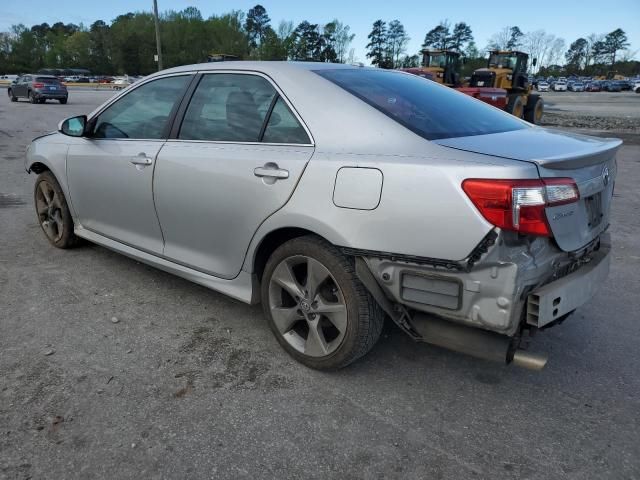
(190,384)
(606,111)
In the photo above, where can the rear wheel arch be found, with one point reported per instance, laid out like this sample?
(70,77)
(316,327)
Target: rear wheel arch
(271,241)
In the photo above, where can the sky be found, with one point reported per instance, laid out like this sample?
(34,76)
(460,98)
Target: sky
(569,19)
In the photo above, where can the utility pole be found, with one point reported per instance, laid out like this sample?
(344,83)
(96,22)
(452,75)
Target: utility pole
(158,46)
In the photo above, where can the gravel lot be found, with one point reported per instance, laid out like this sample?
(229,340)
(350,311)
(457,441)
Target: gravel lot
(190,384)
(606,111)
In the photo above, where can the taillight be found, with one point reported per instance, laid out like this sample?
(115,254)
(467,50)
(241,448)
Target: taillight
(38,85)
(519,205)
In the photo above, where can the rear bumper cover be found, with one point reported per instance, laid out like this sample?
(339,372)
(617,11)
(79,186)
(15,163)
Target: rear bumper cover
(556,299)
(494,294)
(54,95)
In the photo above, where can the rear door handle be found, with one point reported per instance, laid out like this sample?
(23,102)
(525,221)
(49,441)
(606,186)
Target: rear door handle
(141,160)
(271,170)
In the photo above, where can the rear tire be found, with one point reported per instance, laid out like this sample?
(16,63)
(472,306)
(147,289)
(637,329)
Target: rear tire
(32,98)
(534,110)
(63,101)
(53,212)
(316,306)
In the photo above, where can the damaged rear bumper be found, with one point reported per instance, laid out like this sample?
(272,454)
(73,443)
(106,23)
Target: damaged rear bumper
(510,283)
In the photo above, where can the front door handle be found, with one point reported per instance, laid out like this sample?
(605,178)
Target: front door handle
(141,160)
(271,170)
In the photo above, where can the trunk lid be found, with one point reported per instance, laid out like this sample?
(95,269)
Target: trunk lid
(589,161)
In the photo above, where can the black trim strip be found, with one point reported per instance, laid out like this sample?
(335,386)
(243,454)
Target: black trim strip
(464,265)
(436,262)
(268,116)
(178,118)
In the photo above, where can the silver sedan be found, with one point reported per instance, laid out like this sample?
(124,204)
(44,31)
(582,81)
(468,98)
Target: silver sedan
(339,196)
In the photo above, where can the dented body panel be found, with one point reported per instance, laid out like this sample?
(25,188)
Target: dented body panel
(493,293)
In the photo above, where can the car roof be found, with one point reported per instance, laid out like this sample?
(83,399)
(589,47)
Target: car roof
(261,66)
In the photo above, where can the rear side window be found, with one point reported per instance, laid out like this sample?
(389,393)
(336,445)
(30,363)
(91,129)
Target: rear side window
(228,107)
(47,80)
(421,105)
(283,127)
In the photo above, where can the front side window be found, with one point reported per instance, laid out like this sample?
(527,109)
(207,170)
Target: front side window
(228,107)
(421,105)
(142,113)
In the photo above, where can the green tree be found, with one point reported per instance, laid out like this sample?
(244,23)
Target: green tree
(377,46)
(509,38)
(99,44)
(438,37)
(576,56)
(460,36)
(409,61)
(397,40)
(328,39)
(615,41)
(514,38)
(256,25)
(343,38)
(307,42)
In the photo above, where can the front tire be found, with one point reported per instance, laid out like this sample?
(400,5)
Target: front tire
(534,110)
(12,96)
(316,306)
(53,212)
(515,106)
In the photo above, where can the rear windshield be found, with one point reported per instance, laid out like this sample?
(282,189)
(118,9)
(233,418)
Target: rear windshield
(421,105)
(47,80)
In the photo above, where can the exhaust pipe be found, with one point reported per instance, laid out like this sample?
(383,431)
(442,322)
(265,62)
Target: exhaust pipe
(530,361)
(475,342)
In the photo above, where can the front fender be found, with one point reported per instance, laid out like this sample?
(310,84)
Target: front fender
(50,151)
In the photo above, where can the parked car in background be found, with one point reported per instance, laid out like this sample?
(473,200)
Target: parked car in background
(468,230)
(11,78)
(611,86)
(577,87)
(560,86)
(624,85)
(592,87)
(121,82)
(636,86)
(38,89)
(543,86)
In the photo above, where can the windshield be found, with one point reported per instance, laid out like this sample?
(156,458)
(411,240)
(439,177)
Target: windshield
(424,107)
(502,60)
(435,60)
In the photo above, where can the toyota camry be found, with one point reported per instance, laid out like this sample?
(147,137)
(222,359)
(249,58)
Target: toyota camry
(338,196)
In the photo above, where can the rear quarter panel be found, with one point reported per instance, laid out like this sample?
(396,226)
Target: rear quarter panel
(422,211)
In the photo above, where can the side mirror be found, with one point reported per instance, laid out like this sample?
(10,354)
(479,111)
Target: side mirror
(73,126)
(535,61)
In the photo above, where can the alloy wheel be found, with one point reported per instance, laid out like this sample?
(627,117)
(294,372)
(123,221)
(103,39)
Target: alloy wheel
(49,210)
(307,306)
